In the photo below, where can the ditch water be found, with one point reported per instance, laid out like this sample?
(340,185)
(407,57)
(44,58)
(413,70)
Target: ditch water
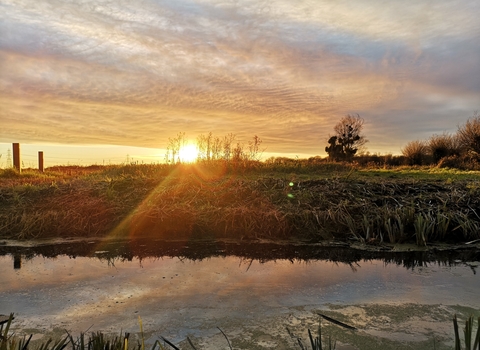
(395,300)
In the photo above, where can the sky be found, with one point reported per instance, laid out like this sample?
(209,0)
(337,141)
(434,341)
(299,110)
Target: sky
(96,80)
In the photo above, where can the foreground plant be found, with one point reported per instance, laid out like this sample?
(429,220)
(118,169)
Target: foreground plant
(11,342)
(468,333)
(316,342)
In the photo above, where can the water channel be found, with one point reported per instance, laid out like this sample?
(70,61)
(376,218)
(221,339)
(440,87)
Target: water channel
(395,302)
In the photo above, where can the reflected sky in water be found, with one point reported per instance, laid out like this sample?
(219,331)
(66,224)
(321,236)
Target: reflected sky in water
(170,293)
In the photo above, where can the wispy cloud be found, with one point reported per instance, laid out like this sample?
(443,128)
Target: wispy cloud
(136,73)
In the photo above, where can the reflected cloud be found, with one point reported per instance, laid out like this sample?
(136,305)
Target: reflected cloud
(174,294)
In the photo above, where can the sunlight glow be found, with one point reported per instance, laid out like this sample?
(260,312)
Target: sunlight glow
(188,154)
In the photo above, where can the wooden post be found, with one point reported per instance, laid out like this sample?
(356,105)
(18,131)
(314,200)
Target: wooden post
(40,161)
(16,156)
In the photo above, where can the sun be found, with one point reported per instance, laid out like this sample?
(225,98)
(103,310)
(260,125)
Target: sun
(188,154)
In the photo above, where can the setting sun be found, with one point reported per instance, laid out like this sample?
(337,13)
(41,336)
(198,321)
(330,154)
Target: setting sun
(188,153)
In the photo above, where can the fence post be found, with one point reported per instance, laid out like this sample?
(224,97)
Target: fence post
(40,161)
(16,156)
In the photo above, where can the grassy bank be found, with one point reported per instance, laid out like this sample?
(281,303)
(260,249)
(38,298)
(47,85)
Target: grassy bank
(300,201)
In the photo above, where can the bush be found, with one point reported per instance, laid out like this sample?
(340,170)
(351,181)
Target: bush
(415,152)
(450,162)
(441,146)
(459,162)
(469,136)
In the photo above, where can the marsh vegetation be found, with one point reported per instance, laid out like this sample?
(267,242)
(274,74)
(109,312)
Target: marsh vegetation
(299,200)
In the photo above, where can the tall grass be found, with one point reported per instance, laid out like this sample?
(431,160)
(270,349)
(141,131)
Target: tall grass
(336,201)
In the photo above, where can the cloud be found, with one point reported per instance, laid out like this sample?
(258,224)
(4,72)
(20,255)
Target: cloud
(115,72)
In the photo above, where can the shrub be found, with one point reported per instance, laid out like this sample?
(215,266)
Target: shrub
(459,162)
(441,146)
(469,136)
(451,162)
(415,152)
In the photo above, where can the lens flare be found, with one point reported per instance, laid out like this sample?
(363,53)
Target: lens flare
(188,154)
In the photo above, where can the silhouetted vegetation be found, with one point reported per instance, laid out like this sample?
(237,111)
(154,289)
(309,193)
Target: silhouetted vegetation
(415,152)
(469,137)
(347,139)
(460,150)
(442,146)
(216,149)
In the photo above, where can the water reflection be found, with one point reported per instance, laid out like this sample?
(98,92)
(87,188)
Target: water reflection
(262,252)
(17,261)
(183,290)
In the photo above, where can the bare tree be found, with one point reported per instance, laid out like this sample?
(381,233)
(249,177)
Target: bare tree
(204,145)
(254,152)
(216,148)
(347,139)
(238,154)
(227,146)
(173,148)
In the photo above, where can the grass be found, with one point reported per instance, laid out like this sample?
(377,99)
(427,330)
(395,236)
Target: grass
(297,201)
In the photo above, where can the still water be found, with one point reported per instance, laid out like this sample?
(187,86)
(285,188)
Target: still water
(177,297)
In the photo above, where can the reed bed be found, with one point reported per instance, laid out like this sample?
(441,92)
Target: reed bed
(177,202)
